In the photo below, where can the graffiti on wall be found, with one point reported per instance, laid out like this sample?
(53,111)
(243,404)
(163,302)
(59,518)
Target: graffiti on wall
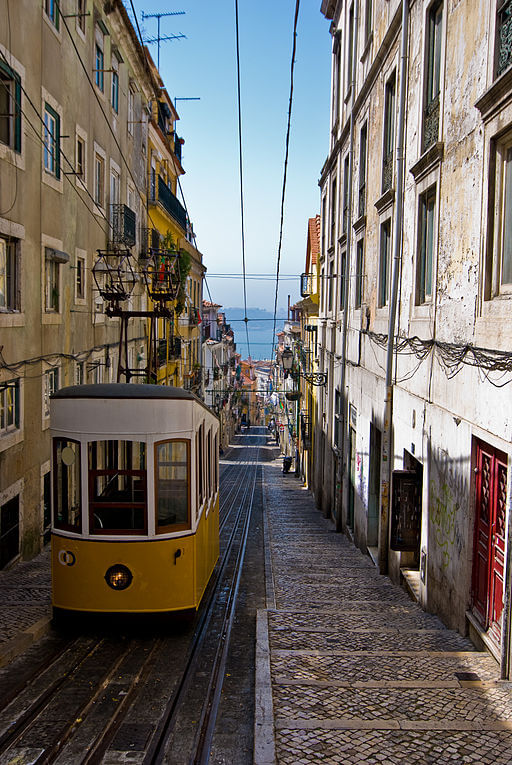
(448,499)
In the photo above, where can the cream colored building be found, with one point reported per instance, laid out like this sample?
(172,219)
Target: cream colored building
(75,101)
(416,273)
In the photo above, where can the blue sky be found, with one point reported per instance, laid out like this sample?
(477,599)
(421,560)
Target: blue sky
(204,66)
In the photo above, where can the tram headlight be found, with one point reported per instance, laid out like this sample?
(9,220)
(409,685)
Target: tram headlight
(118,577)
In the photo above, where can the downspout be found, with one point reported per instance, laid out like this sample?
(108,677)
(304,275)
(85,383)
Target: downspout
(387,439)
(344,400)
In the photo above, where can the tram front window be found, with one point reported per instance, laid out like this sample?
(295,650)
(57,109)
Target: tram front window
(172,485)
(67,514)
(117,487)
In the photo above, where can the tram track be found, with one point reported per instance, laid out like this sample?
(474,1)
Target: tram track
(103,697)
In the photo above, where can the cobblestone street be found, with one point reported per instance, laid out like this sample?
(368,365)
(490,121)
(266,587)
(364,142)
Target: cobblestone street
(352,671)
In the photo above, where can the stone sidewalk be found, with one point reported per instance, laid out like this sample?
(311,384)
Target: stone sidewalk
(25,605)
(350,670)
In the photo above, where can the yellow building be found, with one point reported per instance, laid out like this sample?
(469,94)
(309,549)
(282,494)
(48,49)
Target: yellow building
(170,236)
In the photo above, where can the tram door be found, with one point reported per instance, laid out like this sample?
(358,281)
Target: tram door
(489,550)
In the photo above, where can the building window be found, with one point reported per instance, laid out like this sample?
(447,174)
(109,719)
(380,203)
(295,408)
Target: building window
(81,12)
(115,190)
(336,73)
(499,266)
(385,249)
(330,286)
(368,21)
(389,134)
(79,373)
(363,148)
(99,74)
(51,141)
(131,111)
(9,274)
(115,85)
(343,275)
(324,223)
(9,531)
(333,213)
(80,157)
(504,36)
(10,108)
(425,246)
(51,8)
(9,406)
(99,180)
(350,45)
(80,278)
(345,221)
(432,75)
(50,386)
(338,419)
(51,283)
(358,293)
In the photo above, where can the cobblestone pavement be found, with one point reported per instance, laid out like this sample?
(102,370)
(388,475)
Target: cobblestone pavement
(350,670)
(25,605)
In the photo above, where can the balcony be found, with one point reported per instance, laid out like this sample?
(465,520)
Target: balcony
(306,285)
(171,204)
(431,124)
(305,429)
(123,222)
(504,37)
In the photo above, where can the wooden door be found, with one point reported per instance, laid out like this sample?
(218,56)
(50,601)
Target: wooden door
(489,548)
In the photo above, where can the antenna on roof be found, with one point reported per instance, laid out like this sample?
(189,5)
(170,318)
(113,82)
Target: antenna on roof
(158,39)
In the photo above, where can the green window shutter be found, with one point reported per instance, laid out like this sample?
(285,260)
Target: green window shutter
(17,113)
(57,147)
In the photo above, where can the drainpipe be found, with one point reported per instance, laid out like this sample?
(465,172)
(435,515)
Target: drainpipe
(344,401)
(387,439)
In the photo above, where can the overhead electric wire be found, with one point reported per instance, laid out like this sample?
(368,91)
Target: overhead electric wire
(287,145)
(240,169)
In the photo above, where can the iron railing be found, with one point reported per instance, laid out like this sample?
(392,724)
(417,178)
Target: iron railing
(171,204)
(124,223)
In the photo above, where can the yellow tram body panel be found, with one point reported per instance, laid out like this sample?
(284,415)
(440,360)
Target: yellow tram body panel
(168,574)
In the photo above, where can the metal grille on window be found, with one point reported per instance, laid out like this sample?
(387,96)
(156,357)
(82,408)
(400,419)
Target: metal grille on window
(504,36)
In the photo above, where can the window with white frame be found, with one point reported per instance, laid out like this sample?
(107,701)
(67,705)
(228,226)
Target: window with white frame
(363,150)
(80,14)
(79,372)
(80,278)
(131,110)
(358,291)
(51,282)
(384,262)
(9,274)
(389,133)
(498,276)
(99,180)
(425,259)
(80,157)
(432,74)
(50,386)
(350,46)
(51,143)
(99,59)
(9,406)
(10,107)
(114,92)
(115,191)
(51,8)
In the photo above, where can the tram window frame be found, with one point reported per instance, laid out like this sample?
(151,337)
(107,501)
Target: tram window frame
(75,528)
(200,464)
(115,452)
(179,526)
(216,463)
(209,463)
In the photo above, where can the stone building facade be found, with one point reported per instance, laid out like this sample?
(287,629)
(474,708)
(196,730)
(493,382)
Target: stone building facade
(416,278)
(77,95)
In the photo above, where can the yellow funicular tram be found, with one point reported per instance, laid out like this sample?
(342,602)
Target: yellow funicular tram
(135,523)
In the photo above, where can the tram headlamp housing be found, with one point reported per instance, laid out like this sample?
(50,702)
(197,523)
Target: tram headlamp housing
(118,577)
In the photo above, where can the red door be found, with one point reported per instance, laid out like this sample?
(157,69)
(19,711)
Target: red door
(489,552)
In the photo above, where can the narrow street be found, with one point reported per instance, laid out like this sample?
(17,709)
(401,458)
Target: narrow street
(328,661)
(350,669)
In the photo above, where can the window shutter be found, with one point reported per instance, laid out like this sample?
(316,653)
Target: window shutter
(17,113)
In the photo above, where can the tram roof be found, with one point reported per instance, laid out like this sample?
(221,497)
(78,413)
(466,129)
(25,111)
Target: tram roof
(125,390)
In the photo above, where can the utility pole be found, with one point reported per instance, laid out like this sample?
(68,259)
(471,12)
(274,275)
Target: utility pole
(158,39)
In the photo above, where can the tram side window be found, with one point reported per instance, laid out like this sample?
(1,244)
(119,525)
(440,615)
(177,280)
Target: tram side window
(67,514)
(117,487)
(200,472)
(172,485)
(215,464)
(209,464)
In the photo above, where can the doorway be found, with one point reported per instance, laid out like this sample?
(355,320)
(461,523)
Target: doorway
(489,540)
(372,526)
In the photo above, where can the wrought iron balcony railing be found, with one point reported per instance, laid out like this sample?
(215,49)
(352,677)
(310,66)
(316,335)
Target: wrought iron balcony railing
(431,123)
(124,223)
(306,430)
(387,172)
(504,35)
(171,204)
(306,285)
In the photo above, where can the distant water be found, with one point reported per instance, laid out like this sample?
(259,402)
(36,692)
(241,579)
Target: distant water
(260,329)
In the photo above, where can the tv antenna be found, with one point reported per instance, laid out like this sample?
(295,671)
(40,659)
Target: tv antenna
(158,39)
